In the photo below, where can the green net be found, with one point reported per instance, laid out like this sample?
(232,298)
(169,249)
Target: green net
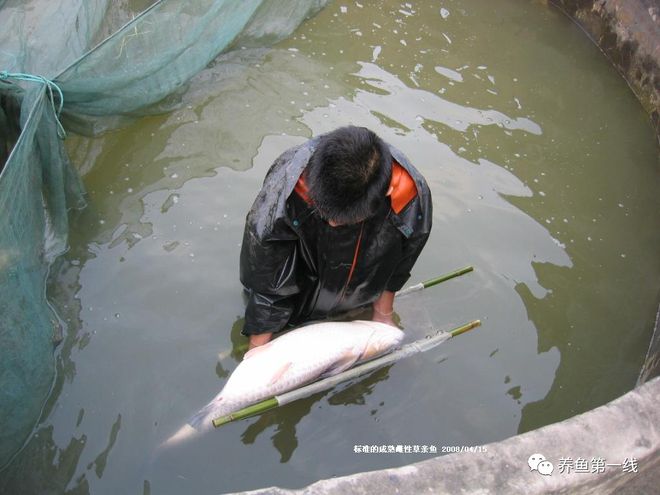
(37,186)
(142,57)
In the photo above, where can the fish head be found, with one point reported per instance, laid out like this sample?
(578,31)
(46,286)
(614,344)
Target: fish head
(382,340)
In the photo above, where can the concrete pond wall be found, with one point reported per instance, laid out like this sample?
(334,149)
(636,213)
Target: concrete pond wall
(627,31)
(624,433)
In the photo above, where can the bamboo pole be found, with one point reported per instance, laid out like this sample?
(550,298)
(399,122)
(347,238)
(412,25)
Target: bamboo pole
(434,281)
(415,347)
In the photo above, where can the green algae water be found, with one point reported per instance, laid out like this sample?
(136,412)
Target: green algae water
(544,173)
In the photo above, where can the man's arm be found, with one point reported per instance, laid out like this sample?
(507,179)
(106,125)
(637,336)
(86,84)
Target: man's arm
(268,271)
(384,308)
(411,251)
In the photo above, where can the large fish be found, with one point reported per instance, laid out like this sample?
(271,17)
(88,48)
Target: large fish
(290,361)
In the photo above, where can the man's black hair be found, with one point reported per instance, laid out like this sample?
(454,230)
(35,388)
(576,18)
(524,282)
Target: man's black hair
(348,174)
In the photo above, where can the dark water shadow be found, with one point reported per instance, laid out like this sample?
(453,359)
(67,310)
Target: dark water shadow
(30,477)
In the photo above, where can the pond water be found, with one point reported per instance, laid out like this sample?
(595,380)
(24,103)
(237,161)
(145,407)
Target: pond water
(544,173)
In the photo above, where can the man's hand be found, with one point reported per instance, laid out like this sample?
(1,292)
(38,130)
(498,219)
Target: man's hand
(259,339)
(384,309)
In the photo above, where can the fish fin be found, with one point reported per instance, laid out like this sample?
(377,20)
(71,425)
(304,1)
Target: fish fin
(347,359)
(280,372)
(256,350)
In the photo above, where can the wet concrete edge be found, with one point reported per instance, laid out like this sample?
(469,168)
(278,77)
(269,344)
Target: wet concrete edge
(628,33)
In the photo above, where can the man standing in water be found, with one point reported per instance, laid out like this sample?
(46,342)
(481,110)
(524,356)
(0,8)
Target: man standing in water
(338,224)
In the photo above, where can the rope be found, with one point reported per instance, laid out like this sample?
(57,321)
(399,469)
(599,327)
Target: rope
(50,85)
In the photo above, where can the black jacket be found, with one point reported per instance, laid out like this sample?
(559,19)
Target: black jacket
(296,267)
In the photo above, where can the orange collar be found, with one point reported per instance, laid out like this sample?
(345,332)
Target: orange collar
(303,191)
(402,186)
